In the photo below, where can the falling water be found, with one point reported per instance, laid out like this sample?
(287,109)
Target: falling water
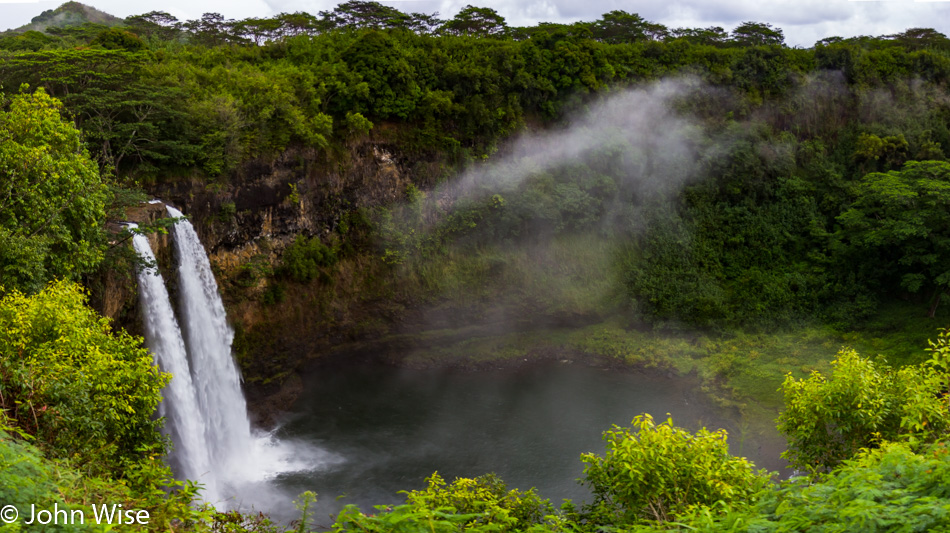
(204,407)
(184,422)
(208,338)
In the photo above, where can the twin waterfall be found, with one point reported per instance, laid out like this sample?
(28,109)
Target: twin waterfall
(204,408)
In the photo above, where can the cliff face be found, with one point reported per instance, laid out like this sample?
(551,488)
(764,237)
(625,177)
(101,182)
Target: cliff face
(301,191)
(114,288)
(245,220)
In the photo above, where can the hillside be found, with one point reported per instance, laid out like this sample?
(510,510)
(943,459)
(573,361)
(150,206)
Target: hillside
(66,15)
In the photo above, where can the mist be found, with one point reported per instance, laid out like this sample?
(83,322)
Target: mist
(529,236)
(656,147)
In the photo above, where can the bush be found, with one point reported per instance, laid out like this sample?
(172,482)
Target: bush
(303,259)
(886,489)
(467,504)
(487,496)
(829,419)
(82,389)
(53,196)
(661,471)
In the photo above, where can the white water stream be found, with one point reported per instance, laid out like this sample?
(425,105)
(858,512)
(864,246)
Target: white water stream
(203,405)
(184,421)
(208,338)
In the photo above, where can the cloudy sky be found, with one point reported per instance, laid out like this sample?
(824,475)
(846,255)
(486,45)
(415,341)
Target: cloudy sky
(803,21)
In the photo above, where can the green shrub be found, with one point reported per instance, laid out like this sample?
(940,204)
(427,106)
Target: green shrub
(303,259)
(83,390)
(488,497)
(660,471)
(886,489)
(25,479)
(53,196)
(467,504)
(862,403)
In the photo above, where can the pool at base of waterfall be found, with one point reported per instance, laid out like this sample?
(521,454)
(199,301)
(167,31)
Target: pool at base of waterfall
(381,430)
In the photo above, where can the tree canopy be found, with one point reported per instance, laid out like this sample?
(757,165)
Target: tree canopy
(52,199)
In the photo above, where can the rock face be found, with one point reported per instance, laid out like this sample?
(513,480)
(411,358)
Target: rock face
(114,290)
(298,192)
(245,220)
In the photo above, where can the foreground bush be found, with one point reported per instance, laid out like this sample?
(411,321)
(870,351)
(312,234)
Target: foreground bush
(85,392)
(861,404)
(660,471)
(467,504)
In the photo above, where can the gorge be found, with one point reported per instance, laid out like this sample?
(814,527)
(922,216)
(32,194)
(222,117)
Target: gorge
(364,433)
(410,248)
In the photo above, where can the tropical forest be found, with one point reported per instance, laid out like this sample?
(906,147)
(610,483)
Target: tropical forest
(366,270)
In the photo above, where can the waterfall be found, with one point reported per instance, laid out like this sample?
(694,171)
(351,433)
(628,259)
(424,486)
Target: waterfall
(208,338)
(184,422)
(203,405)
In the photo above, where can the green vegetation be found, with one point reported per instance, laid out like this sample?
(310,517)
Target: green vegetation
(52,200)
(861,404)
(480,504)
(72,383)
(761,207)
(77,399)
(81,400)
(658,471)
(303,259)
(768,226)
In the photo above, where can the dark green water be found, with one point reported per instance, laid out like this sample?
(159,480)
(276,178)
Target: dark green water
(382,430)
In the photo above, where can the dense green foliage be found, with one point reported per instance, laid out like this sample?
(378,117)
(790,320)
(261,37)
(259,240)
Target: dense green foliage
(72,382)
(27,479)
(52,200)
(84,395)
(859,405)
(480,504)
(659,471)
(303,259)
(887,489)
(898,220)
(771,226)
(764,185)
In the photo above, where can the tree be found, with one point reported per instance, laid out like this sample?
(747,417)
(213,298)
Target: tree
(361,14)
(621,27)
(30,40)
(154,23)
(389,75)
(116,39)
(713,35)
(258,30)
(123,114)
(424,24)
(211,29)
(476,21)
(757,34)
(900,220)
(922,38)
(298,23)
(52,200)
